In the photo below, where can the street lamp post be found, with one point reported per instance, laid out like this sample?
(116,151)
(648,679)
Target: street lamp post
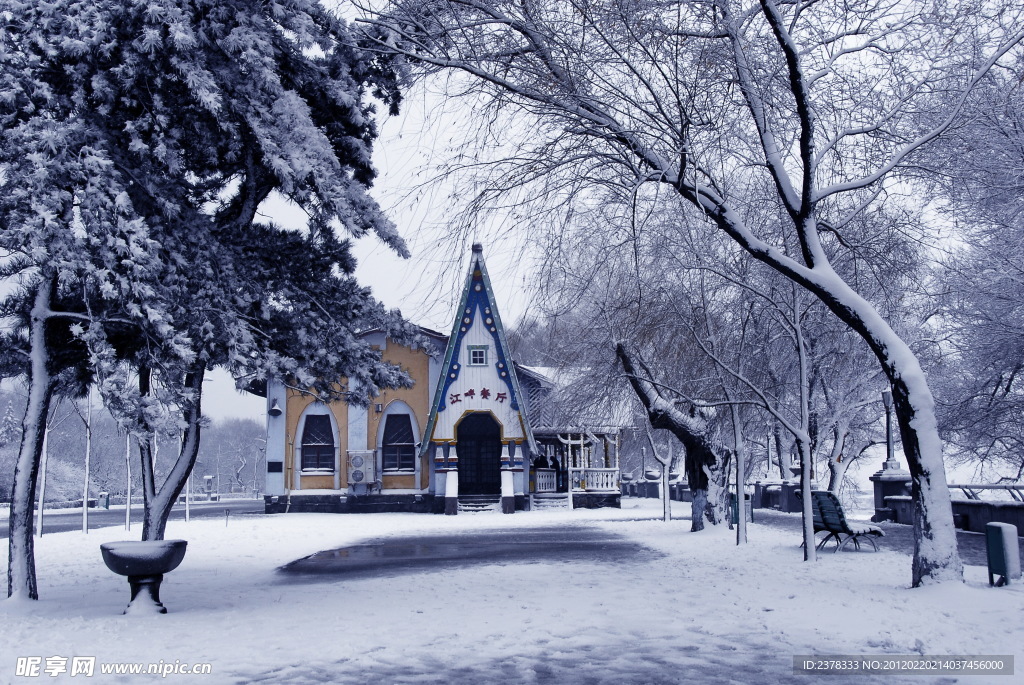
(891,480)
(890,448)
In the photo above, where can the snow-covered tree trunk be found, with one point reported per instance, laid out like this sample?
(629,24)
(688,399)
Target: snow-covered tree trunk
(838,462)
(705,458)
(806,505)
(716,507)
(161,501)
(145,441)
(21,567)
(698,506)
(802,438)
(741,476)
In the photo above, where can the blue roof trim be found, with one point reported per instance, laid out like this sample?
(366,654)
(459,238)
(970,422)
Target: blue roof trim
(477,301)
(478,305)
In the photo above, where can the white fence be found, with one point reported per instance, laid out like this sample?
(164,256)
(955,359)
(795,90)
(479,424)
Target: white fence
(546,480)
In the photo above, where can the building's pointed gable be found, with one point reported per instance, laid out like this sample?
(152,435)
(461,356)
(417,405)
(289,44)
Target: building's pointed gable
(477,373)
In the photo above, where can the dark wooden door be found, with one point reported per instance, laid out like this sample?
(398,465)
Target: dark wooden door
(479,446)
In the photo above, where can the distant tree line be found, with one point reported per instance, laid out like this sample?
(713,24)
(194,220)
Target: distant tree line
(232,452)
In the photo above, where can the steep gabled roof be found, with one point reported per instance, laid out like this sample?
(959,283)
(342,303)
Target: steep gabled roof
(477,293)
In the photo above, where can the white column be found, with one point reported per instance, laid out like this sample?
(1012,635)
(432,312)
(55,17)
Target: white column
(276,445)
(508,498)
(451,493)
(451,485)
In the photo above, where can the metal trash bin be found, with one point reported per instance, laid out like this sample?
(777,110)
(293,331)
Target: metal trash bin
(104,500)
(734,510)
(1003,550)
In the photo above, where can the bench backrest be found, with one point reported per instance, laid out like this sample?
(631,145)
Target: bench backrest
(828,512)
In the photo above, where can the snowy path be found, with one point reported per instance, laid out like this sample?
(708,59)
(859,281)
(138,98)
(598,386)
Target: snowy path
(699,610)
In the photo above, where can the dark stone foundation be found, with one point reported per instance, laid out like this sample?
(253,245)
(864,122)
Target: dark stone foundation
(413,504)
(596,500)
(362,504)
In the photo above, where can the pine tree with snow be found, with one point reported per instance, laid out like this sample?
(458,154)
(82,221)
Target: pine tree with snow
(10,427)
(139,141)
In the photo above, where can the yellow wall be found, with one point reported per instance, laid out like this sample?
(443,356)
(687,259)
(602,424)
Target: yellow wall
(294,406)
(405,482)
(417,364)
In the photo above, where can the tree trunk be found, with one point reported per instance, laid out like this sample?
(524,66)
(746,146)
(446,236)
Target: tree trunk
(146,474)
(158,509)
(936,556)
(741,503)
(697,508)
(837,463)
(807,506)
(666,501)
(782,453)
(21,563)
(803,440)
(705,470)
(717,476)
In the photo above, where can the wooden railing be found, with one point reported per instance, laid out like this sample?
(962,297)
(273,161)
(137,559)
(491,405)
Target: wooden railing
(601,480)
(546,480)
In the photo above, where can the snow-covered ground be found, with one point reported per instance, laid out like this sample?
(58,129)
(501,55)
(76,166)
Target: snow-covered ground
(698,609)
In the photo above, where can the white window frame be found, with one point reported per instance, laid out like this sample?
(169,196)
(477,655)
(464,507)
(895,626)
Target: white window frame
(477,348)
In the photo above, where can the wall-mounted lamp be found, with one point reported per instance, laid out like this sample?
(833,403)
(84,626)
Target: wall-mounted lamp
(379,408)
(275,408)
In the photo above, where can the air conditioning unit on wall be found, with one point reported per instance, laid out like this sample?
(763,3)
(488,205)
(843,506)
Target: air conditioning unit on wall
(362,469)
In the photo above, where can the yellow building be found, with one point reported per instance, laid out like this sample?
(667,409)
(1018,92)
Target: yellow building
(459,439)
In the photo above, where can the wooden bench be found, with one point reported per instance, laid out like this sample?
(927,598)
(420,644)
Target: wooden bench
(829,518)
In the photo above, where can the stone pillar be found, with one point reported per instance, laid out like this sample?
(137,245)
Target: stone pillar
(891,480)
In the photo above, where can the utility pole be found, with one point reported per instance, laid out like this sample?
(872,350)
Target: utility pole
(128,490)
(88,458)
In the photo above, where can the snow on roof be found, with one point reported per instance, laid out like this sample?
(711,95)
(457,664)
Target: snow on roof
(572,402)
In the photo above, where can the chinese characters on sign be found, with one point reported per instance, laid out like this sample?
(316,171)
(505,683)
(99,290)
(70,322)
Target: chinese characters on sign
(485,394)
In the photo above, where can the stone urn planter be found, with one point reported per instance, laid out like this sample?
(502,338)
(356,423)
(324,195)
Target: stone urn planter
(145,563)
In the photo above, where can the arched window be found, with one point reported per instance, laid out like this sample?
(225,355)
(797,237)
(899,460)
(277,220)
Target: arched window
(318,443)
(399,444)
